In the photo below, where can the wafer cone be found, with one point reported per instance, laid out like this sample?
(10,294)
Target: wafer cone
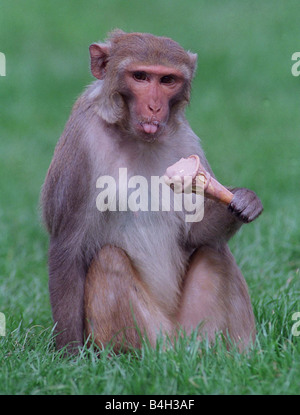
(212,188)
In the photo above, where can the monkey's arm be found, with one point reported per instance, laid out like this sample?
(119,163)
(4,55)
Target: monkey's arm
(225,209)
(66,288)
(221,222)
(64,196)
(244,204)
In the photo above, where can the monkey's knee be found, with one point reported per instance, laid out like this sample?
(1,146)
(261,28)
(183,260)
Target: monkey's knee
(104,289)
(201,300)
(215,296)
(118,307)
(109,258)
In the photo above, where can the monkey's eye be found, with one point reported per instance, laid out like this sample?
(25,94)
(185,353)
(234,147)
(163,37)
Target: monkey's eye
(167,79)
(140,76)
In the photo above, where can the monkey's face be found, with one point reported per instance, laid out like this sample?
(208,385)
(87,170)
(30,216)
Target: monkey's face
(151,90)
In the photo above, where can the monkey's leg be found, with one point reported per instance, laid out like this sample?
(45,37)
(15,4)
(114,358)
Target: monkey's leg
(215,294)
(118,306)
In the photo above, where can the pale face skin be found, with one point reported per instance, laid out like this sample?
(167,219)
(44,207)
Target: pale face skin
(152,86)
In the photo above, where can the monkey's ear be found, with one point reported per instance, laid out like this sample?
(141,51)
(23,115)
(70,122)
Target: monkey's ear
(99,53)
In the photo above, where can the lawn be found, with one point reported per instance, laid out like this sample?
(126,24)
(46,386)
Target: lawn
(245,107)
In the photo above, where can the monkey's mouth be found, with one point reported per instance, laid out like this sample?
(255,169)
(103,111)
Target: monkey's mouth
(149,127)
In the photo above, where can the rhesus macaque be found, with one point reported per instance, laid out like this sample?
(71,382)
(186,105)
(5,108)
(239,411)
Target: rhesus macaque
(119,274)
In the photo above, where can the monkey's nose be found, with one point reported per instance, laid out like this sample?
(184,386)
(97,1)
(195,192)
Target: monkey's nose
(154,108)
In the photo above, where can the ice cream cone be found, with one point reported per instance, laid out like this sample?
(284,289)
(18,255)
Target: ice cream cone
(201,179)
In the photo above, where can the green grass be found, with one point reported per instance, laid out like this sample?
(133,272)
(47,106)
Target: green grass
(245,106)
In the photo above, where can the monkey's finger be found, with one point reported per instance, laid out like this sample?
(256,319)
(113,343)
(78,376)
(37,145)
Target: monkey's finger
(253,210)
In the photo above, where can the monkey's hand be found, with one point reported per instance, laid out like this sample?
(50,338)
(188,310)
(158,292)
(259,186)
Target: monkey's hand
(245,205)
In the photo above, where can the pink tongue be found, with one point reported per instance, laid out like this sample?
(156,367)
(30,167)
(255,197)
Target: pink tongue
(150,128)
